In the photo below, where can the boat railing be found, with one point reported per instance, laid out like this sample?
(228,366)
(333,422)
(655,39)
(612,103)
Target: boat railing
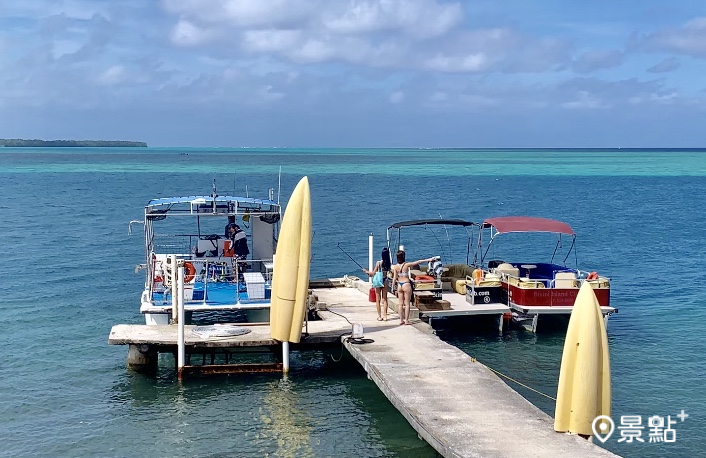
(210,271)
(569,281)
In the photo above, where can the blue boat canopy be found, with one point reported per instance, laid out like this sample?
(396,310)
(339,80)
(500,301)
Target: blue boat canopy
(208,199)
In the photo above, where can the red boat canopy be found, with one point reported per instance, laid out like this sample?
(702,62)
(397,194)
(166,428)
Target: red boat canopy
(506,224)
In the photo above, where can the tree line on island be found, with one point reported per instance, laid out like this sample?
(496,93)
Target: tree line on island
(15,142)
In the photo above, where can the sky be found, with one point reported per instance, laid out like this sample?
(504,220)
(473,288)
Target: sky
(355,73)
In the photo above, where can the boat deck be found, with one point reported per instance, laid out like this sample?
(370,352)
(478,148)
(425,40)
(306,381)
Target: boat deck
(527,316)
(460,306)
(555,310)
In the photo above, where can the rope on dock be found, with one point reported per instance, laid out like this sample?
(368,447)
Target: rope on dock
(513,380)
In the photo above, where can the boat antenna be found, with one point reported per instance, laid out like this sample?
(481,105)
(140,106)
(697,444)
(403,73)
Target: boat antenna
(214,195)
(279,183)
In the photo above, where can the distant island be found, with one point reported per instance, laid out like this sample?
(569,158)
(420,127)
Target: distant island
(16,142)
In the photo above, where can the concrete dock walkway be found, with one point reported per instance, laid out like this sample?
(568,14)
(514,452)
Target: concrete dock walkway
(458,406)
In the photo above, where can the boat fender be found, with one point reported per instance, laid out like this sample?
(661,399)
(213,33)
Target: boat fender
(477,276)
(592,276)
(189,272)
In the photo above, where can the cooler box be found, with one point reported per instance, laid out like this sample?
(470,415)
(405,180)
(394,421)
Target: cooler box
(255,283)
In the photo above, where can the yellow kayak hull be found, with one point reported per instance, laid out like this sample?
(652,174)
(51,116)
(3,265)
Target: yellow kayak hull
(584,379)
(290,277)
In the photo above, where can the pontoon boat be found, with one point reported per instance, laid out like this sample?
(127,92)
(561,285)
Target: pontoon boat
(531,287)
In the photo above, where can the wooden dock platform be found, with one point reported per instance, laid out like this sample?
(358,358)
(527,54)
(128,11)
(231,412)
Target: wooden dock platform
(459,406)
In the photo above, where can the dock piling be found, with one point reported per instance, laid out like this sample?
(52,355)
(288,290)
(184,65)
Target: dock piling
(180,321)
(285,357)
(142,358)
(370,256)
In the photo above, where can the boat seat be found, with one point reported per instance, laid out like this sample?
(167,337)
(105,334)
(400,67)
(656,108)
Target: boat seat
(492,264)
(508,269)
(527,283)
(565,280)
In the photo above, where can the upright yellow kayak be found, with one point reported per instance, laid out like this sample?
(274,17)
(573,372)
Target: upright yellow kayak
(584,380)
(290,278)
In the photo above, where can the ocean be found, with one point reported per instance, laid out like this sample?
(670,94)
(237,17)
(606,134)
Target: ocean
(69,277)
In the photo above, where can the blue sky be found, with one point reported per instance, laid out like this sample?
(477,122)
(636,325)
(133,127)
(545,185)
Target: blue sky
(326,73)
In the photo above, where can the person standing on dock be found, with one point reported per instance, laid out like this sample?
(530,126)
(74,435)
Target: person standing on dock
(402,281)
(380,282)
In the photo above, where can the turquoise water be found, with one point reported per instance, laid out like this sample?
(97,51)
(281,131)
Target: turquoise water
(69,278)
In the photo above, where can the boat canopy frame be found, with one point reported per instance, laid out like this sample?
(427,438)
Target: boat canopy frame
(430,222)
(513,224)
(204,206)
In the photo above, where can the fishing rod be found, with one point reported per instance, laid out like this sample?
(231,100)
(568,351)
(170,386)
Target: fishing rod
(344,251)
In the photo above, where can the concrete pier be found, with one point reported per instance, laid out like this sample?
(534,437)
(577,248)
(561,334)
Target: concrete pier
(456,404)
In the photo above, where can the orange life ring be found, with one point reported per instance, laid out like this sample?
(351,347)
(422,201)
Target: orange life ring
(189,272)
(592,276)
(424,278)
(477,276)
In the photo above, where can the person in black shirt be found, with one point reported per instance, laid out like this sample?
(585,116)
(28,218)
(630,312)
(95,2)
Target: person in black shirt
(239,245)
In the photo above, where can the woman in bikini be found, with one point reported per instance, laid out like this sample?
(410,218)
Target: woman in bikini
(400,278)
(383,265)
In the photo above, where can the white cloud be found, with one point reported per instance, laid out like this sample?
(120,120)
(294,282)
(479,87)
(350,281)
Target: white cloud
(374,33)
(422,18)
(590,61)
(667,65)
(269,94)
(669,98)
(187,34)
(439,96)
(313,51)
(432,56)
(585,100)
(244,13)
(64,47)
(113,75)
(72,9)
(468,63)
(690,39)
(271,40)
(397,97)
